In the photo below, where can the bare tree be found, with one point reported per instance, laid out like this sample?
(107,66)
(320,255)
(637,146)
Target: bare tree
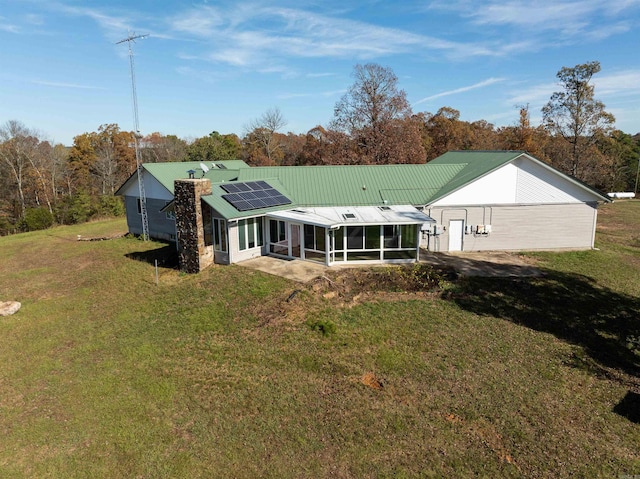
(576,116)
(261,133)
(376,115)
(17,148)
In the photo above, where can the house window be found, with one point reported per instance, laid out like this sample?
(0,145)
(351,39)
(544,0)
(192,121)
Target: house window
(278,238)
(355,238)
(219,235)
(339,238)
(315,243)
(242,235)
(375,242)
(170,214)
(277,231)
(409,236)
(250,233)
(207,225)
(139,204)
(372,237)
(314,237)
(391,236)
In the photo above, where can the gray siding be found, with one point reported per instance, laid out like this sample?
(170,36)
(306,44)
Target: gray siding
(520,228)
(159,226)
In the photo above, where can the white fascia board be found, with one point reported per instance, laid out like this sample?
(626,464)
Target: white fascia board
(334,217)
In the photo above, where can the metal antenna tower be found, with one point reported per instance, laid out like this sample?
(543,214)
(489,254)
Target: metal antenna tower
(136,134)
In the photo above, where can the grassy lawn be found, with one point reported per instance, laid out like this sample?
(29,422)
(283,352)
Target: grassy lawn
(103,373)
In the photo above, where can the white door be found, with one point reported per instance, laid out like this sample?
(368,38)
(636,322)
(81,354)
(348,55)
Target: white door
(456,230)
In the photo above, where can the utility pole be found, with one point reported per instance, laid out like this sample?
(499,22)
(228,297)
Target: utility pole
(136,134)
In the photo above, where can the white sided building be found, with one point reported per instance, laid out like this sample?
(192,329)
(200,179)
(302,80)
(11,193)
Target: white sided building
(461,201)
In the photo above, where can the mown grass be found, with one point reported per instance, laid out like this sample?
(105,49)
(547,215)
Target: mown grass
(104,373)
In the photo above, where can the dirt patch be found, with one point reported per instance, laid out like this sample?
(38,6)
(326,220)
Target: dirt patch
(498,264)
(486,433)
(345,288)
(370,380)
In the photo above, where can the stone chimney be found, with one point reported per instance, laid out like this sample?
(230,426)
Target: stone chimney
(193,254)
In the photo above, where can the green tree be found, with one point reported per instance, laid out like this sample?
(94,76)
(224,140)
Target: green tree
(214,147)
(37,219)
(576,116)
(622,154)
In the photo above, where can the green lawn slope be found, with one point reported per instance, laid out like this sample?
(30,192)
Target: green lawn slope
(106,373)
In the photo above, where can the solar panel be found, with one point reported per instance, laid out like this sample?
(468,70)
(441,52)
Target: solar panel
(253,195)
(230,187)
(253,185)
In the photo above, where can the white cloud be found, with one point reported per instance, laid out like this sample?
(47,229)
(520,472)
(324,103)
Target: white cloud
(607,87)
(623,83)
(33,19)
(8,27)
(535,96)
(482,84)
(65,85)
(576,20)
(115,26)
(254,36)
(201,22)
(325,94)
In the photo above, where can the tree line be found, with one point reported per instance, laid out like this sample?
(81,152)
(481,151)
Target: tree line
(43,183)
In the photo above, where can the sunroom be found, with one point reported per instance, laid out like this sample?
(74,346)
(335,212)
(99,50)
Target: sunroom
(332,235)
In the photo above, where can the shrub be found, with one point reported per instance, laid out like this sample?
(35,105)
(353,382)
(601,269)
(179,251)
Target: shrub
(6,226)
(74,209)
(323,326)
(37,219)
(110,206)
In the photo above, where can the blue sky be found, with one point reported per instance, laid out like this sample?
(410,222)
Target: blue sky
(217,65)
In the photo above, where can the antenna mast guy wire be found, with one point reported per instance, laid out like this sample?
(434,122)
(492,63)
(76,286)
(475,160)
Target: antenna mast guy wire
(136,136)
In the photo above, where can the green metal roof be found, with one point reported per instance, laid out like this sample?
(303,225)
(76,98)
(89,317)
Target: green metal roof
(346,185)
(167,173)
(357,185)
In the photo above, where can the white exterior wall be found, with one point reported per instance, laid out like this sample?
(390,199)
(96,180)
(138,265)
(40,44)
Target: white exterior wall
(528,205)
(152,189)
(235,254)
(499,187)
(520,228)
(522,181)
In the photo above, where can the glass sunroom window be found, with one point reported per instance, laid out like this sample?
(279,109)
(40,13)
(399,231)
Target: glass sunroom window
(409,236)
(250,233)
(355,239)
(391,236)
(372,237)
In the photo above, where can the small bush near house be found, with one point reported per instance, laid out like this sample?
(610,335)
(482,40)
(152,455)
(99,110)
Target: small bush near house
(37,219)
